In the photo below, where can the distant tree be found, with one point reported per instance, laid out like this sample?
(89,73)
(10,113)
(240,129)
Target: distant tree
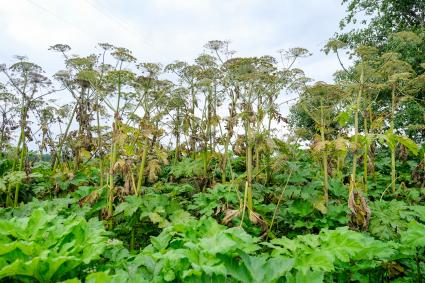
(378,19)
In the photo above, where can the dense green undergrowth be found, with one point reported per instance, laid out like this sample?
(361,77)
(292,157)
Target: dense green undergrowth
(174,232)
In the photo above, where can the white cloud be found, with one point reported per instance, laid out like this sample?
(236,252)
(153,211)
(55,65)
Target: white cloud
(165,29)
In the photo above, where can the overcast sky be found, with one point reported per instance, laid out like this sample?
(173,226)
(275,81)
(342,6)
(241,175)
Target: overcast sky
(166,30)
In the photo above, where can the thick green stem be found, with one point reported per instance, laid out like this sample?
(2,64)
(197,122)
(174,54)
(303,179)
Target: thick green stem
(423,183)
(21,153)
(21,166)
(99,143)
(257,149)
(393,148)
(371,157)
(62,141)
(232,114)
(365,156)
(193,123)
(224,167)
(393,172)
(356,129)
(249,166)
(113,160)
(177,134)
(338,168)
(15,160)
(268,157)
(257,163)
(365,173)
(99,149)
(205,162)
(132,239)
(324,157)
(140,176)
(209,117)
(114,144)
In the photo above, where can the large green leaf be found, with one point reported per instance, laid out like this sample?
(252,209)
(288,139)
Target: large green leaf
(409,144)
(414,237)
(48,247)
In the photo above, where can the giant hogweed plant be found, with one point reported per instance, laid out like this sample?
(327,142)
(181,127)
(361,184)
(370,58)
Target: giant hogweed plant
(374,75)
(30,87)
(321,102)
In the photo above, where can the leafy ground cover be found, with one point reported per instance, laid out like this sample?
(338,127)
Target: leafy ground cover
(177,232)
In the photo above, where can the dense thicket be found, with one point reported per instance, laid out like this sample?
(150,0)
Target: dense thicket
(147,173)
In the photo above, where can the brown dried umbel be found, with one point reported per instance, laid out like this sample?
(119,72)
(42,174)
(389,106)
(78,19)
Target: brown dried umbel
(253,217)
(418,175)
(90,198)
(403,153)
(360,211)
(239,147)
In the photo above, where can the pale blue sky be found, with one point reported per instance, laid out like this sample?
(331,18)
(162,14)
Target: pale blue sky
(166,30)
